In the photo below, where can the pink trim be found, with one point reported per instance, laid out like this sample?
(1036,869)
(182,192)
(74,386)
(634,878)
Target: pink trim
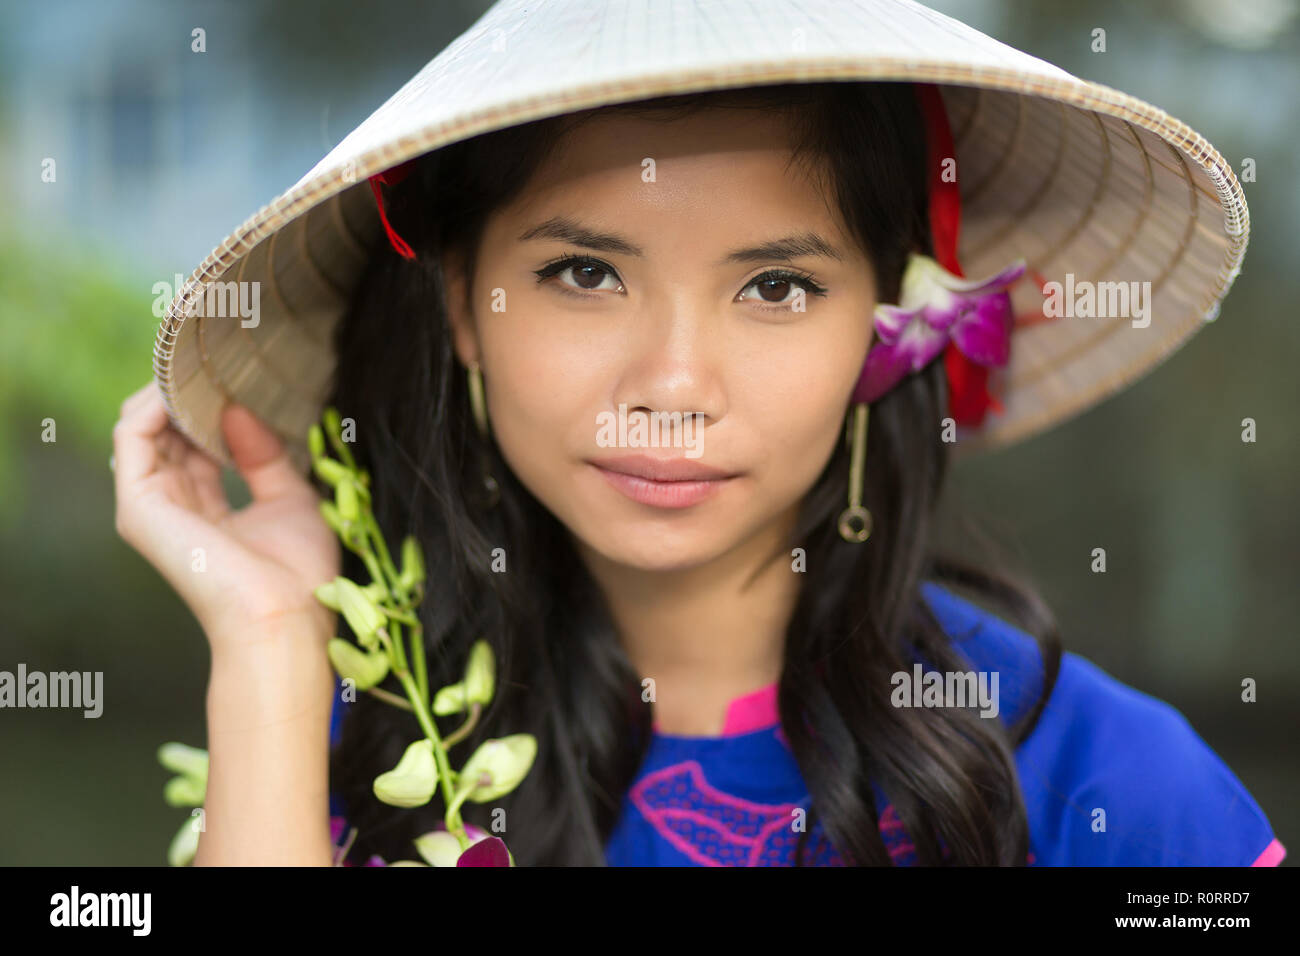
(747,713)
(1272,855)
(751,712)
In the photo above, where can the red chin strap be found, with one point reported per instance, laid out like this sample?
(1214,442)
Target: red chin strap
(968,395)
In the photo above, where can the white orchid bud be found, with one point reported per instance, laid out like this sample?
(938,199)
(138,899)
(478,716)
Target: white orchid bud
(184,845)
(413,781)
(450,700)
(182,759)
(479,674)
(350,662)
(330,471)
(497,767)
(185,791)
(316,441)
(345,496)
(441,848)
(328,595)
(413,572)
(359,611)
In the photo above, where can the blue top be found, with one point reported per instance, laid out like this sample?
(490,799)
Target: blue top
(1110,776)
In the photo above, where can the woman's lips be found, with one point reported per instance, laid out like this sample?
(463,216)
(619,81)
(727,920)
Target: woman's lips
(679,493)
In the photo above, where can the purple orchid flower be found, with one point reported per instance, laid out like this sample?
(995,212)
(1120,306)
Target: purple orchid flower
(489,851)
(936,307)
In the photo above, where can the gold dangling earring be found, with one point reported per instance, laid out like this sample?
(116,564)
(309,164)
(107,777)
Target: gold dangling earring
(478,405)
(855,514)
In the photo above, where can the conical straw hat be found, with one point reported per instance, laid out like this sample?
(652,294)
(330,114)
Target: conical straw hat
(1088,184)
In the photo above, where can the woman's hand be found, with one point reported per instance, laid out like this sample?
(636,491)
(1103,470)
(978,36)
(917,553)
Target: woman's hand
(243,573)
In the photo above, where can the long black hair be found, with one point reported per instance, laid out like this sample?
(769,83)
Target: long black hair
(562,673)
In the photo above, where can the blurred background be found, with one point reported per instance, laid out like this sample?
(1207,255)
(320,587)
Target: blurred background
(160,152)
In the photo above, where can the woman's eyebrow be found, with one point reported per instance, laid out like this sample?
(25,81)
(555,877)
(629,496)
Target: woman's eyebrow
(563,229)
(784,249)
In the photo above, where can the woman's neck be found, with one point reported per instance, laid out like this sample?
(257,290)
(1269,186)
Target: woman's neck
(708,634)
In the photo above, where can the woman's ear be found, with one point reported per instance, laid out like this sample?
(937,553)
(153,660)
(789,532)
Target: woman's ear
(460,316)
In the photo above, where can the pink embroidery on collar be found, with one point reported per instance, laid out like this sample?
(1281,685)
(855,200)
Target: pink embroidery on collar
(753,711)
(746,714)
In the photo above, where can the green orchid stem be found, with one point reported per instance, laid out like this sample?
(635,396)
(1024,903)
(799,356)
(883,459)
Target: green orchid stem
(463,730)
(340,447)
(417,654)
(371,565)
(397,614)
(373,550)
(399,646)
(391,698)
(385,560)
(453,821)
(417,648)
(347,845)
(382,572)
(439,750)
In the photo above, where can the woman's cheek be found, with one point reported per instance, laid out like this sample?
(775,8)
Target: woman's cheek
(801,432)
(537,414)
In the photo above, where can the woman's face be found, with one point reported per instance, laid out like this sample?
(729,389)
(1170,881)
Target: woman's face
(718,316)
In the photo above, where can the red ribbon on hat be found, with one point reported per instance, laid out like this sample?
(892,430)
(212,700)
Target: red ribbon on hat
(968,395)
(391,177)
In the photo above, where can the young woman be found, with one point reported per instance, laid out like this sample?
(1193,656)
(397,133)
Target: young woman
(723,655)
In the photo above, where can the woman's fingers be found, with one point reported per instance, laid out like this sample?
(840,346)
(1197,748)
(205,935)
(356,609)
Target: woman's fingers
(260,456)
(145,445)
(135,446)
(206,475)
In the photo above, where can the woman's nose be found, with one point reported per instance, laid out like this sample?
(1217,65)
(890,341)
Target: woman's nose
(675,361)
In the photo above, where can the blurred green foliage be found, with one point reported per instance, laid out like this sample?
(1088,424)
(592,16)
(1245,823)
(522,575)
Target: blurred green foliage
(75,340)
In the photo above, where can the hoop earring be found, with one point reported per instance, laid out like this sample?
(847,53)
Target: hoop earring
(855,520)
(478,405)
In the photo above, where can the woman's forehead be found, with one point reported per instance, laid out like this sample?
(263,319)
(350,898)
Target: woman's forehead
(618,165)
(619,139)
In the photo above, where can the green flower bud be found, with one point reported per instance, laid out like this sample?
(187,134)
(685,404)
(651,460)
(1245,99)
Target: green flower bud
(450,700)
(316,441)
(375,591)
(479,674)
(413,781)
(184,845)
(360,612)
(328,595)
(185,791)
(412,562)
(329,470)
(330,512)
(346,497)
(332,421)
(189,761)
(497,767)
(439,848)
(366,670)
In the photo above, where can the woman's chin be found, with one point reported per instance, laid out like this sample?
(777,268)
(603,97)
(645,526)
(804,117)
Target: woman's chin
(632,545)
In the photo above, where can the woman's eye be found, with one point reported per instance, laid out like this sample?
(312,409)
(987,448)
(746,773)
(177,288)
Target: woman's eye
(781,288)
(585,275)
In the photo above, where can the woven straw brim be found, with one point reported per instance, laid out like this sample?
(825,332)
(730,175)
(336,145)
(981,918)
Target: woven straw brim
(1073,176)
